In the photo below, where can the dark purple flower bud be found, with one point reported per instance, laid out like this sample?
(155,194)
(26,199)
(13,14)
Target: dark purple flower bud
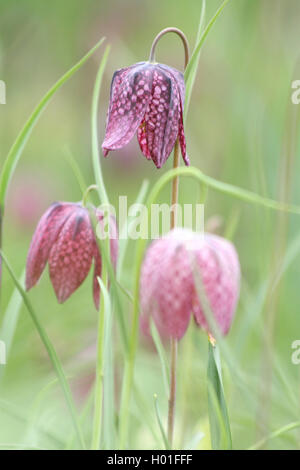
(147,98)
(65,239)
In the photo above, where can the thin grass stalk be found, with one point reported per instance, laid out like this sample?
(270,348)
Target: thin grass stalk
(103,197)
(98,405)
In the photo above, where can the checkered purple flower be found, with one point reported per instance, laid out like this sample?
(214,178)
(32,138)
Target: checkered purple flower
(65,239)
(147,99)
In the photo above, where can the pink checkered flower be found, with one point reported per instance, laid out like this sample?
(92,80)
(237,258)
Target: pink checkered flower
(146,98)
(173,268)
(65,239)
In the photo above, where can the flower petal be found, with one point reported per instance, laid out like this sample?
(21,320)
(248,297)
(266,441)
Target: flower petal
(179,80)
(130,94)
(157,116)
(181,137)
(166,288)
(220,271)
(142,139)
(44,236)
(71,255)
(162,118)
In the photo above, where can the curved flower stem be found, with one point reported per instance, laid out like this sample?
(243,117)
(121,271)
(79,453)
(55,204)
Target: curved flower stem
(86,193)
(182,37)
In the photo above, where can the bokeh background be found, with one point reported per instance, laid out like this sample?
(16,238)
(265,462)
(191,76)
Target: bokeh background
(241,128)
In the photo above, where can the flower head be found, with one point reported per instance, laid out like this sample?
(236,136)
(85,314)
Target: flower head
(168,285)
(147,98)
(65,239)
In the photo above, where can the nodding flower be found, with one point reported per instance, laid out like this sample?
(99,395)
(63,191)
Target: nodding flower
(175,268)
(148,99)
(64,238)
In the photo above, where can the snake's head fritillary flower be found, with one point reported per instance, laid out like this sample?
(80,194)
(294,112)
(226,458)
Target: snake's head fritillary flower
(169,288)
(65,239)
(147,99)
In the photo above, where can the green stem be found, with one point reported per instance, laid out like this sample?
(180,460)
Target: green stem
(98,407)
(95,141)
(207,181)
(86,193)
(99,392)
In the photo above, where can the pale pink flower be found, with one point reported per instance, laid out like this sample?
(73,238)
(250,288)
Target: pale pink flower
(173,268)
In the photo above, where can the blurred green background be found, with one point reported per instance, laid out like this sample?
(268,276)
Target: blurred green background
(241,128)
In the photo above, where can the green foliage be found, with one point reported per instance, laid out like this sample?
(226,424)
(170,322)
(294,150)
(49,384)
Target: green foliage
(239,132)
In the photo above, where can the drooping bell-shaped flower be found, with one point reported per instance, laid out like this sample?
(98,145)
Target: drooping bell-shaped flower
(65,239)
(176,269)
(147,99)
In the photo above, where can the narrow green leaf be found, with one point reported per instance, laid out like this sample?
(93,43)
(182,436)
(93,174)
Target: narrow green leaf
(218,416)
(123,238)
(106,260)
(161,428)
(162,356)
(220,186)
(19,144)
(98,405)
(51,352)
(85,413)
(194,58)
(109,431)
(190,80)
(76,170)
(10,320)
(94,126)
